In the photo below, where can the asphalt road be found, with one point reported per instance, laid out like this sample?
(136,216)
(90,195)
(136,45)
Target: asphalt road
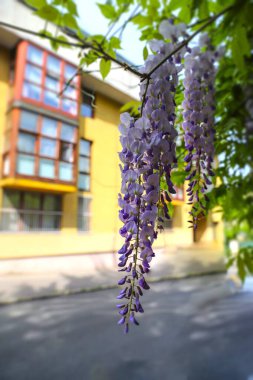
(191,330)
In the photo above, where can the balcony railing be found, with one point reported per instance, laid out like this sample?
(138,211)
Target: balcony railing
(29,220)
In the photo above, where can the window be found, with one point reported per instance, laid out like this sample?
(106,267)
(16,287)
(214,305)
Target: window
(30,211)
(47,168)
(53,64)
(28,121)
(25,165)
(65,171)
(45,148)
(35,55)
(84,165)
(84,214)
(26,143)
(87,104)
(68,133)
(49,127)
(44,82)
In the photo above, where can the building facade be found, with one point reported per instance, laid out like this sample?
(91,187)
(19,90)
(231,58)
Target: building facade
(59,152)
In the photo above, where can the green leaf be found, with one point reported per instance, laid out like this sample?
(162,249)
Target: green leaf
(142,21)
(36,3)
(105,67)
(241,269)
(237,53)
(178,177)
(145,53)
(230,262)
(185,13)
(174,4)
(203,10)
(249,263)
(132,107)
(72,8)
(55,45)
(49,13)
(115,43)
(70,21)
(108,11)
(241,35)
(89,58)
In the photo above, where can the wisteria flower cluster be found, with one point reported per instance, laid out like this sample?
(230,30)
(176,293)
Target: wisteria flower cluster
(198,124)
(148,155)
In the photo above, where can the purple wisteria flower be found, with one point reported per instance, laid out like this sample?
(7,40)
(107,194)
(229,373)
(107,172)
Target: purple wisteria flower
(198,124)
(148,156)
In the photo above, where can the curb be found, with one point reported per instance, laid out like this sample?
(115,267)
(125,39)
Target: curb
(65,293)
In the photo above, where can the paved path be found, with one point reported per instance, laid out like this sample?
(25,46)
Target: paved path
(45,276)
(196,329)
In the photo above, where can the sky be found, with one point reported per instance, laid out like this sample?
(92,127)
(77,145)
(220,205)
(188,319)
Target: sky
(93,22)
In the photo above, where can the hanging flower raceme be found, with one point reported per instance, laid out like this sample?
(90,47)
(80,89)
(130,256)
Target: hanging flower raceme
(199,107)
(147,156)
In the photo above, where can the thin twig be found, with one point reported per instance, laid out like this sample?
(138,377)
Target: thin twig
(123,26)
(198,22)
(68,83)
(114,23)
(185,42)
(144,95)
(51,38)
(82,45)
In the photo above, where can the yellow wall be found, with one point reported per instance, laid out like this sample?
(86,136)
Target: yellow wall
(69,212)
(4,94)
(105,178)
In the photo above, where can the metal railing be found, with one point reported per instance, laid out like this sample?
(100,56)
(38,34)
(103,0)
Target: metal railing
(29,220)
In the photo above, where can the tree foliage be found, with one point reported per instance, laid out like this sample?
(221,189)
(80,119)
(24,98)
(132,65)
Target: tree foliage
(233,29)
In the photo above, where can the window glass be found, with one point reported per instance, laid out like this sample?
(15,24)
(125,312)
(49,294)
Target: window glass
(86,110)
(65,171)
(52,84)
(51,98)
(84,213)
(51,222)
(69,106)
(31,91)
(26,143)
(84,182)
(25,164)
(83,205)
(69,72)
(84,164)
(84,148)
(51,203)
(28,121)
(32,201)
(47,147)
(70,92)
(46,168)
(49,127)
(35,55)
(53,64)
(36,211)
(11,199)
(87,103)
(68,133)
(33,73)
(66,152)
